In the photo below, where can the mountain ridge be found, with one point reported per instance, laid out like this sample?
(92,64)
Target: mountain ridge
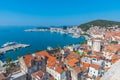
(99,22)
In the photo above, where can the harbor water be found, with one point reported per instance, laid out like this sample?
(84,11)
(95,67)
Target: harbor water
(38,40)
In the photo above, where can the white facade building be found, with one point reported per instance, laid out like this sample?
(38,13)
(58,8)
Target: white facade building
(96,45)
(89,42)
(55,74)
(94,70)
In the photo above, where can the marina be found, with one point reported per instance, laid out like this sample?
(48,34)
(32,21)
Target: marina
(73,31)
(11,46)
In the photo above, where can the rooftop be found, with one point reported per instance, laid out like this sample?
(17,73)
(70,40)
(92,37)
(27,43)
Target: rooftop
(95,66)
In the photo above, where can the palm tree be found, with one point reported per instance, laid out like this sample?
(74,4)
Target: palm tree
(9,66)
(59,48)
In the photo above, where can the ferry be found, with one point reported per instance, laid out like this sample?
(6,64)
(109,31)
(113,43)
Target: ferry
(8,44)
(11,46)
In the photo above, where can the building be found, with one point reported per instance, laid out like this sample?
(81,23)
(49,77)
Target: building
(96,45)
(93,71)
(57,70)
(89,43)
(32,63)
(39,75)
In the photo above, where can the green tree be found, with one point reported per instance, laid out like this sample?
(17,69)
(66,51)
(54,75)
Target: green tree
(59,48)
(83,54)
(9,66)
(74,50)
(78,53)
(114,42)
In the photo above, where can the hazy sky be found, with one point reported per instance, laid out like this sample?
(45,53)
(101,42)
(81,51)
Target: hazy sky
(57,12)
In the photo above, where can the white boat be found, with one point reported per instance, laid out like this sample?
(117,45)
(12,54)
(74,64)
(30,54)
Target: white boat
(75,35)
(9,44)
(62,32)
(49,48)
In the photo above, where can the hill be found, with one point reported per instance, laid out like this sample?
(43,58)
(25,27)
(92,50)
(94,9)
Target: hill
(101,23)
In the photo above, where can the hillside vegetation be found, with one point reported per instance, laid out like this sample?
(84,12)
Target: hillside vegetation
(101,23)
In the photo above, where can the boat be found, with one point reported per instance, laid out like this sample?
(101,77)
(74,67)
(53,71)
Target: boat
(8,44)
(28,30)
(75,35)
(62,32)
(49,48)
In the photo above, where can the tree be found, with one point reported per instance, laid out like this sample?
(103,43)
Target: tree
(78,53)
(101,23)
(58,48)
(74,50)
(9,66)
(64,27)
(114,42)
(83,54)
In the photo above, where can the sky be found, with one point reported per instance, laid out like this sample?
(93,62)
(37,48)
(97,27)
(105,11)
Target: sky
(56,12)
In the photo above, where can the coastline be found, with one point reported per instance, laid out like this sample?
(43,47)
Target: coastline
(74,31)
(38,41)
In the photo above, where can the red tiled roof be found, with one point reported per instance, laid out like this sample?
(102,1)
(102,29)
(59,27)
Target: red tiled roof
(42,53)
(85,64)
(59,69)
(95,66)
(111,34)
(27,60)
(38,74)
(72,62)
(86,51)
(115,58)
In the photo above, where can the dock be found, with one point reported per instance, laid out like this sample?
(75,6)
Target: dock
(12,47)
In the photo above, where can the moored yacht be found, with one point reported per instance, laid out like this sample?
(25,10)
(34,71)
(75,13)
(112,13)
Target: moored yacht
(75,35)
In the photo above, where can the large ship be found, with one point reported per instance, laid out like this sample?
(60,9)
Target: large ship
(9,44)
(12,46)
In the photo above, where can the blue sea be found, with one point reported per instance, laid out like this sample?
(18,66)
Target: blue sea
(37,40)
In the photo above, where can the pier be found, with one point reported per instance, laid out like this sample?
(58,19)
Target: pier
(12,47)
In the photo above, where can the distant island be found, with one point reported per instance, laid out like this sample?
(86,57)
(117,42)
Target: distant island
(100,23)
